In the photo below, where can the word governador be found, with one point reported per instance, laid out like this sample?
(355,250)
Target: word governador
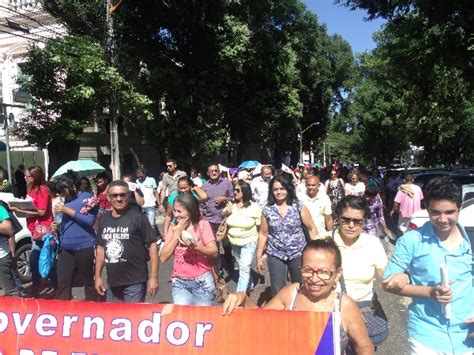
(147,331)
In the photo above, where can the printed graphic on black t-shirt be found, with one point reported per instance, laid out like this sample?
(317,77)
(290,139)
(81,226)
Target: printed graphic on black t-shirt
(125,240)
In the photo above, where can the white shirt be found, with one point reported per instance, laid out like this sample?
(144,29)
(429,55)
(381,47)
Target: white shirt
(319,207)
(147,186)
(197,181)
(260,191)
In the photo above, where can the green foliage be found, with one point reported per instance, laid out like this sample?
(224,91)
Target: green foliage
(218,72)
(70,84)
(417,83)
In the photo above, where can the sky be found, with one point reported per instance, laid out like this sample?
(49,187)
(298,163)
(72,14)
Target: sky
(350,25)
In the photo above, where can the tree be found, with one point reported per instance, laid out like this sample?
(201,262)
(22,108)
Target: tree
(70,84)
(216,71)
(422,60)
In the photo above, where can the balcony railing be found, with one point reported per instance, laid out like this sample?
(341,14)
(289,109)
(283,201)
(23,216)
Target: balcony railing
(24,3)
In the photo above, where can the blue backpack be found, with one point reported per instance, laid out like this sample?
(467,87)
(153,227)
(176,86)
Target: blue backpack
(48,254)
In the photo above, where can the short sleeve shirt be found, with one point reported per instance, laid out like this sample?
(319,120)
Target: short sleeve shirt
(361,263)
(355,190)
(409,205)
(170,182)
(420,252)
(148,187)
(286,239)
(188,262)
(125,240)
(319,207)
(222,187)
(4,249)
(42,201)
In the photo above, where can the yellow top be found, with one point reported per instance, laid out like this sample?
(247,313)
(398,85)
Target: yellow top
(242,224)
(361,263)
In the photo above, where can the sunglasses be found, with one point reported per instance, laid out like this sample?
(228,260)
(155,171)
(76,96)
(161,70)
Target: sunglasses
(356,221)
(116,196)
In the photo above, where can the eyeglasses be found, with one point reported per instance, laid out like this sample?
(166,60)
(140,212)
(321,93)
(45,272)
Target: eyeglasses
(116,196)
(237,190)
(323,274)
(356,221)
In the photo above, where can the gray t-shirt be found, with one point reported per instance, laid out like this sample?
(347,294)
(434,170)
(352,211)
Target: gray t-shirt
(171,182)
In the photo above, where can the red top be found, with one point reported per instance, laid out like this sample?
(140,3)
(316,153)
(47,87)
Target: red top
(104,203)
(42,201)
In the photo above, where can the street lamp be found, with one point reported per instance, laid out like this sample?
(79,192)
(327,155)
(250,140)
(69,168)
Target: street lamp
(301,138)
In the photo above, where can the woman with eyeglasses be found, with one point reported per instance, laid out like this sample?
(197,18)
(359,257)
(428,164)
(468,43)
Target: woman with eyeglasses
(334,189)
(76,231)
(39,221)
(243,217)
(191,242)
(185,186)
(320,270)
(281,234)
(363,255)
(354,186)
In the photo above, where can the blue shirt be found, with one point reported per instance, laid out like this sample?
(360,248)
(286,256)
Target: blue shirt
(77,232)
(286,239)
(421,253)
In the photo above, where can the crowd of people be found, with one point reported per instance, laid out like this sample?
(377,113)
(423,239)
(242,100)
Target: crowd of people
(320,234)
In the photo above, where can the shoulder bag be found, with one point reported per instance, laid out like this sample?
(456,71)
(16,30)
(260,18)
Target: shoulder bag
(374,317)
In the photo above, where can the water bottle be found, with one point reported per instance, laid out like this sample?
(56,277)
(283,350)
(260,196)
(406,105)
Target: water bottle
(58,217)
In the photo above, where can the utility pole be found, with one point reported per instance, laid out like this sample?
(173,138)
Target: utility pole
(112,101)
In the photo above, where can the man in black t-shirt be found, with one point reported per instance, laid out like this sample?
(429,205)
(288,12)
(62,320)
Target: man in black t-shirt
(125,240)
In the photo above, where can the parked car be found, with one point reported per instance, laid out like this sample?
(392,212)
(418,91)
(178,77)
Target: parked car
(23,241)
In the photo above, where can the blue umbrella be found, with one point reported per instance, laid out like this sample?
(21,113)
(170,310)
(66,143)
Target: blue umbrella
(249,164)
(80,167)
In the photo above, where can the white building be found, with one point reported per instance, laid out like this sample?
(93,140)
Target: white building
(22,23)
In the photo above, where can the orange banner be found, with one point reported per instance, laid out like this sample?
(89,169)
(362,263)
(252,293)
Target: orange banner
(32,327)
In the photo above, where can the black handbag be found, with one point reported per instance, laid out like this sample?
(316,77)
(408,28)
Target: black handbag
(374,317)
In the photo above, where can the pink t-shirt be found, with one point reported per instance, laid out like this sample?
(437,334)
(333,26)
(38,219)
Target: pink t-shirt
(188,262)
(408,205)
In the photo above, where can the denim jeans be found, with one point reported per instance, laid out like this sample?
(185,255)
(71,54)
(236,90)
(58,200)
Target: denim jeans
(7,282)
(200,291)
(278,270)
(134,293)
(243,255)
(150,213)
